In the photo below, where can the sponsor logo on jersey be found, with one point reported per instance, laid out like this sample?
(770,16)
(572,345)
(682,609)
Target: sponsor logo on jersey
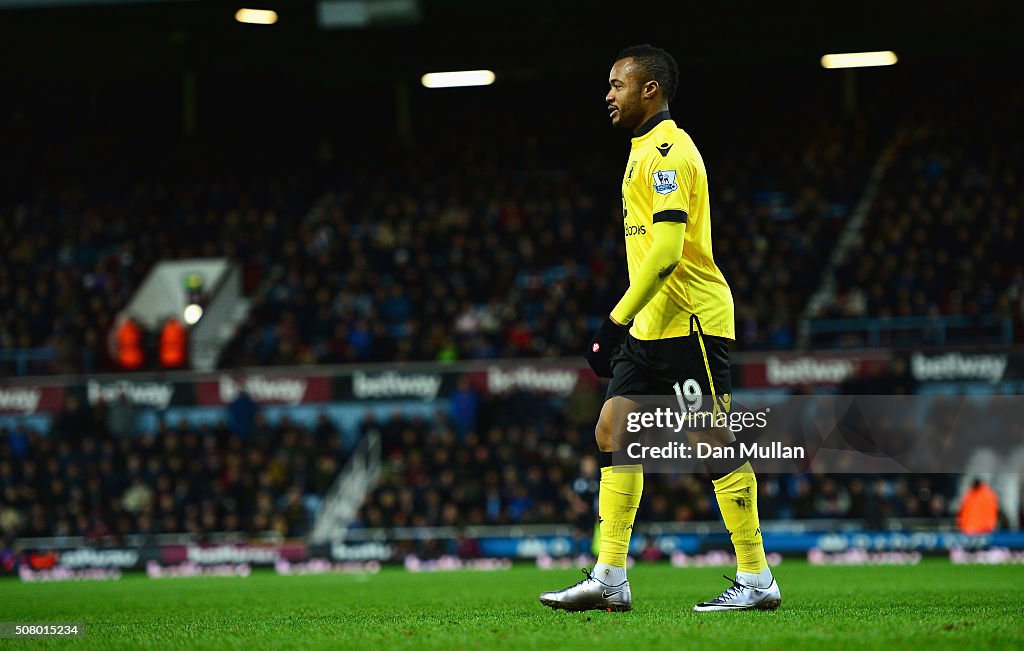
(665,181)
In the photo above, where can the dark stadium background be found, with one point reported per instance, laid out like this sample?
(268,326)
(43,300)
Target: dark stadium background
(198,115)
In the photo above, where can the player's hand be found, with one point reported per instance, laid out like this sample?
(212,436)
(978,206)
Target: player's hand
(607,340)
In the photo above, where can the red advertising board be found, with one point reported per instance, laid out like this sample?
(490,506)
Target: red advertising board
(28,400)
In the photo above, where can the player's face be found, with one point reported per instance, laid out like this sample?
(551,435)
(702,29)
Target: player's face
(624,94)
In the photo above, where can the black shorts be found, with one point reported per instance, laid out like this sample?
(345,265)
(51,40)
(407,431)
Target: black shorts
(672,367)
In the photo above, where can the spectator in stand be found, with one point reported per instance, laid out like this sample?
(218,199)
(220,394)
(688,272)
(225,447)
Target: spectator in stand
(173,344)
(979,511)
(74,422)
(122,417)
(128,345)
(465,402)
(241,412)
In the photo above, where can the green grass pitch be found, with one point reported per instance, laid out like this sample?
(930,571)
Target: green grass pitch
(931,606)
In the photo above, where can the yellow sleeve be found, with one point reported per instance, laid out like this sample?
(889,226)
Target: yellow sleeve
(659,263)
(672,181)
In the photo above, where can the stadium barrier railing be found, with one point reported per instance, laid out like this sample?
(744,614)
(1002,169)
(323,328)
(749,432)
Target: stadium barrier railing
(933,330)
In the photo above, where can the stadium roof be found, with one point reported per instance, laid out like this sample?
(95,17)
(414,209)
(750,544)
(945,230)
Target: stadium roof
(520,38)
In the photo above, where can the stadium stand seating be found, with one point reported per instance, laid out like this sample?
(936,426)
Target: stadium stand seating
(527,471)
(518,255)
(74,257)
(81,481)
(521,465)
(943,237)
(441,270)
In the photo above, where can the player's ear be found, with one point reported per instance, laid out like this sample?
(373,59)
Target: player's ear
(650,88)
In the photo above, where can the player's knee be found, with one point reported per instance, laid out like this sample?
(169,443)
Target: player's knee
(604,436)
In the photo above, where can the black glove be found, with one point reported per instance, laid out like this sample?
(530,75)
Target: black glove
(607,340)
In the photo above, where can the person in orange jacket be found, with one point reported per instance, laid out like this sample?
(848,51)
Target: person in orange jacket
(173,339)
(128,345)
(979,512)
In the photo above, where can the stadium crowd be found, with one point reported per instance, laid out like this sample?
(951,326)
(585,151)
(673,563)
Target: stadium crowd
(527,461)
(83,481)
(516,254)
(470,249)
(526,261)
(527,470)
(74,257)
(944,233)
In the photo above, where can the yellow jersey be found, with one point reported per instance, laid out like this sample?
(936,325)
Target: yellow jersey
(665,180)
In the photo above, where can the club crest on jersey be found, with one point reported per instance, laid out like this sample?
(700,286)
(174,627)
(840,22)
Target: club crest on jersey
(665,181)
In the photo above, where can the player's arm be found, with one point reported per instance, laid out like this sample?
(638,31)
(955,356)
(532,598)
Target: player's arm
(661,260)
(670,188)
(665,253)
(671,180)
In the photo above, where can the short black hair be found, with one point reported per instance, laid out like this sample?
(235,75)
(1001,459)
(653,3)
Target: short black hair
(655,63)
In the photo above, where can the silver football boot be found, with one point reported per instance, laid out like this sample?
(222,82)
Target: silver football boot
(590,594)
(743,597)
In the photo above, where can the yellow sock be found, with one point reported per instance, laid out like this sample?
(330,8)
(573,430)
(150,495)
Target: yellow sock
(621,488)
(737,498)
